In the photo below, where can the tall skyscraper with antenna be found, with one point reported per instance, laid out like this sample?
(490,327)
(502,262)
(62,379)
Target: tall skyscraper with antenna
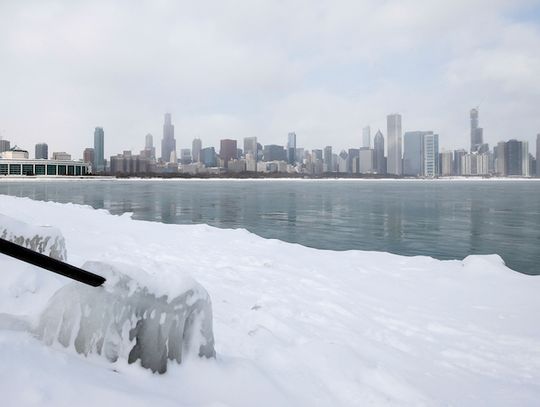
(477,133)
(168,143)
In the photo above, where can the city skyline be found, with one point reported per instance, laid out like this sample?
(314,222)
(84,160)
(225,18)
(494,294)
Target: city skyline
(68,67)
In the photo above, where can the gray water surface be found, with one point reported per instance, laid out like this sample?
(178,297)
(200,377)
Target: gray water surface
(442,219)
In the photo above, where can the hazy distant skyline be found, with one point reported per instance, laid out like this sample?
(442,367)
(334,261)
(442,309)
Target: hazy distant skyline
(232,69)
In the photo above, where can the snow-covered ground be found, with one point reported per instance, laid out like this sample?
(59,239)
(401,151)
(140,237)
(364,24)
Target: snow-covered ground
(294,326)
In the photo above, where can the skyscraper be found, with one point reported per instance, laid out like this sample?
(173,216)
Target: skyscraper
(4,145)
(379,164)
(459,157)
(228,151)
(42,151)
(99,150)
(291,148)
(168,143)
(413,152)
(430,155)
(538,155)
(149,146)
(501,168)
(393,162)
(513,157)
(196,147)
(250,146)
(366,137)
(327,158)
(477,133)
(525,158)
(447,163)
(88,155)
(208,157)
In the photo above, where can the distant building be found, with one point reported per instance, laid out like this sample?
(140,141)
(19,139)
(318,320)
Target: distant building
(99,150)
(500,159)
(15,153)
(366,160)
(353,156)
(250,146)
(291,148)
(196,147)
(458,161)
(366,137)
(393,162)
(299,155)
(447,164)
(251,162)
(4,145)
(88,156)
(413,153)
(379,162)
(228,151)
(430,155)
(208,157)
(477,134)
(327,159)
(25,166)
(273,152)
(149,149)
(168,143)
(61,155)
(342,161)
(525,159)
(42,151)
(129,164)
(538,155)
(185,156)
(236,165)
(513,157)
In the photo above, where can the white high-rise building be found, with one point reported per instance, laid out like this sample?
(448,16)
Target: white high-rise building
(394,161)
(525,158)
(431,155)
(366,137)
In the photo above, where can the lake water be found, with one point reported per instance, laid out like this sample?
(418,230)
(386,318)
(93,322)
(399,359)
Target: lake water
(442,219)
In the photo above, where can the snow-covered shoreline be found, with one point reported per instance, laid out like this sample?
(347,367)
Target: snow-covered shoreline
(293,325)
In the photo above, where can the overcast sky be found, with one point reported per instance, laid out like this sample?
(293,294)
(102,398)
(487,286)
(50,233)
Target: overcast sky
(231,69)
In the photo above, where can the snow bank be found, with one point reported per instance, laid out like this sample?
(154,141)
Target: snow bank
(294,326)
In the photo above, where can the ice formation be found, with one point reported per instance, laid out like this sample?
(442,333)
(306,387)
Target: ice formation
(125,319)
(43,239)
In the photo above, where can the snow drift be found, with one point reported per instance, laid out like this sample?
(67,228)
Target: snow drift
(294,326)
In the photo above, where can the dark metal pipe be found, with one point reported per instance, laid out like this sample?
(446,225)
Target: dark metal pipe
(56,266)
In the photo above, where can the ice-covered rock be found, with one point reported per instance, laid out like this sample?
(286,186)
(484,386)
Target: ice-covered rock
(43,239)
(125,319)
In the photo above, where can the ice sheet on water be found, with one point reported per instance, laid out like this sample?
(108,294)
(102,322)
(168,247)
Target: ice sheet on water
(43,239)
(123,319)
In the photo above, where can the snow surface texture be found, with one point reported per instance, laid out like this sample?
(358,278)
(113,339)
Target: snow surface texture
(44,239)
(294,326)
